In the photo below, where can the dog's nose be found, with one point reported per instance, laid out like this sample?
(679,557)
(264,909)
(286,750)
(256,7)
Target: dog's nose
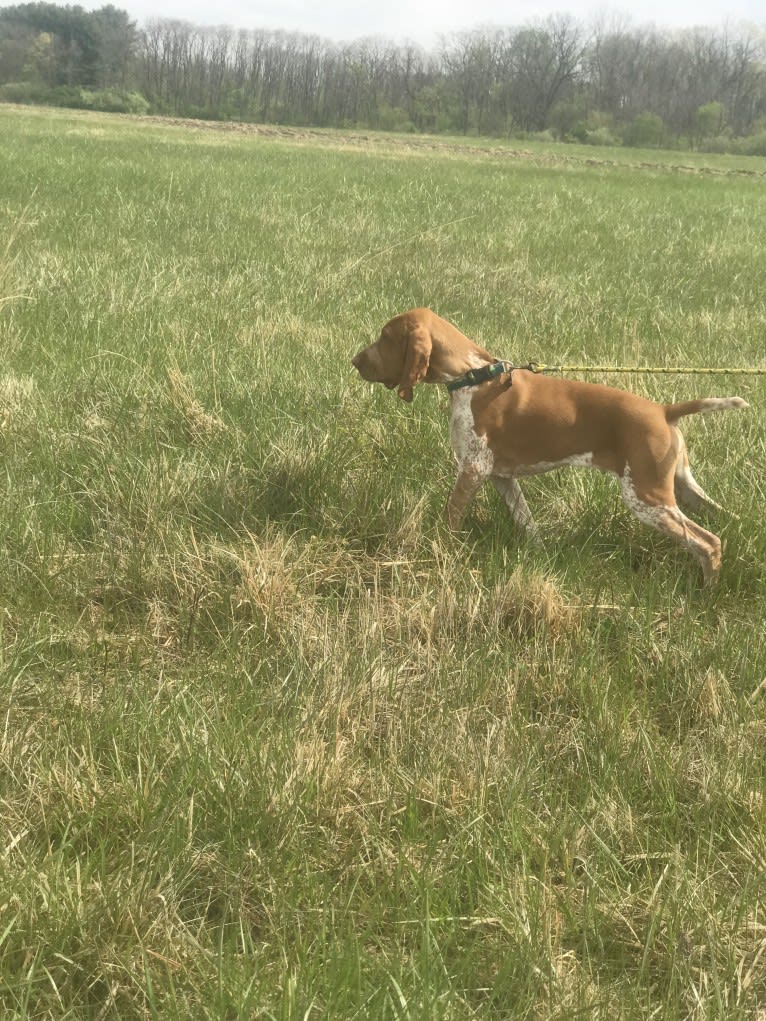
(356,361)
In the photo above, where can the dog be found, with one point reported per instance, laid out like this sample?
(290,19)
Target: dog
(510,422)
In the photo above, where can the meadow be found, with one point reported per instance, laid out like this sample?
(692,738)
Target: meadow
(273,743)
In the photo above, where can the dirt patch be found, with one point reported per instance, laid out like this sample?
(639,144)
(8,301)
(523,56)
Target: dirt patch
(424,143)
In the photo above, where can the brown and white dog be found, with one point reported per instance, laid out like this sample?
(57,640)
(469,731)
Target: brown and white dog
(507,423)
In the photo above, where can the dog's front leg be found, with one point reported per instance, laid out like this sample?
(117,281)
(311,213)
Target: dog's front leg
(469,480)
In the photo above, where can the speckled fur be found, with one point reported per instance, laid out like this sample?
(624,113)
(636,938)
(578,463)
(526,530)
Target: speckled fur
(523,424)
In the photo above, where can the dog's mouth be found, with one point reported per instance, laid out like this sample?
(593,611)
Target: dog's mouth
(368,373)
(387,385)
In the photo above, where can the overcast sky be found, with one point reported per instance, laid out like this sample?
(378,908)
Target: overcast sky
(423,21)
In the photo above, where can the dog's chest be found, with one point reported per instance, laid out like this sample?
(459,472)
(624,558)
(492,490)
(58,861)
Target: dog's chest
(470,448)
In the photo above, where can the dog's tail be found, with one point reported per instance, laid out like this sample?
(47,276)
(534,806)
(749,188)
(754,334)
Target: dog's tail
(675,411)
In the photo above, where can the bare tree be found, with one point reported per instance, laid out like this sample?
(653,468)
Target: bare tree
(545,62)
(551,73)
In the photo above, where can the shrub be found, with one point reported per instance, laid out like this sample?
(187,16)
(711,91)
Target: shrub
(394,118)
(112,101)
(22,92)
(65,95)
(753,145)
(568,119)
(720,144)
(579,133)
(204,113)
(601,136)
(709,121)
(108,100)
(539,136)
(647,130)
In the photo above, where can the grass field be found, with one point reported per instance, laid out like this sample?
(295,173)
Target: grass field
(274,744)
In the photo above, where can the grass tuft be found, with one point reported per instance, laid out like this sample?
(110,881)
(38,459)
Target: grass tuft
(198,422)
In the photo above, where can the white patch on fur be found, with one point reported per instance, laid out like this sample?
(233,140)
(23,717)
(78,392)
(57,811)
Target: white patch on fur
(574,461)
(470,448)
(474,362)
(722,403)
(645,512)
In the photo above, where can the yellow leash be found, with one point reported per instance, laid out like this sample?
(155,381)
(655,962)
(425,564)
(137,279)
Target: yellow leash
(675,370)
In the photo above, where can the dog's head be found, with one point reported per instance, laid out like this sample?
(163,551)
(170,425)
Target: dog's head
(400,357)
(418,347)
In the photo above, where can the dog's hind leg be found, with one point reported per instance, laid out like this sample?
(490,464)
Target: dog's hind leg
(511,492)
(687,490)
(669,520)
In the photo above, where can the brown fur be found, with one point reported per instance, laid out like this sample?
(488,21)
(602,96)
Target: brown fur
(523,423)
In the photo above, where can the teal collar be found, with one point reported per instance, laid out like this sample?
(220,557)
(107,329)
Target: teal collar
(475,376)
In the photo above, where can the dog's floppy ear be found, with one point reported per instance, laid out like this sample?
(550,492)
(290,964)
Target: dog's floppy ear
(415,361)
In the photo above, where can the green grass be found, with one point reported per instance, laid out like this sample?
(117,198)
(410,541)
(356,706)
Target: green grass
(273,743)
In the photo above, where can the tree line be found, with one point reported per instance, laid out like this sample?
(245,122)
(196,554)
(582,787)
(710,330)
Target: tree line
(606,82)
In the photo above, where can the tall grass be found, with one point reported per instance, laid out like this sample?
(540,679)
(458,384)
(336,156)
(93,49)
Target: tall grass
(274,744)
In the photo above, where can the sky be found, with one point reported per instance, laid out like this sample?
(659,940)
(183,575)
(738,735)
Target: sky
(424,21)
